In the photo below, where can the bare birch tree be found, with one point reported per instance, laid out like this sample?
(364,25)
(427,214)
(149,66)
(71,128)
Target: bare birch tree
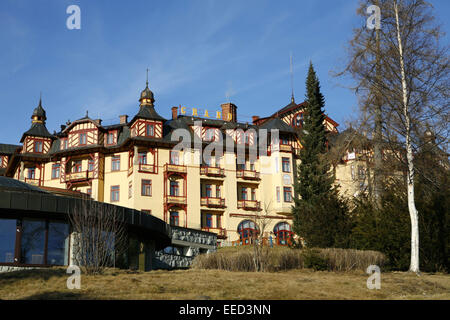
(99,235)
(260,251)
(406,68)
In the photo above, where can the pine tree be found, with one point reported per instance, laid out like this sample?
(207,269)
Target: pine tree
(320,216)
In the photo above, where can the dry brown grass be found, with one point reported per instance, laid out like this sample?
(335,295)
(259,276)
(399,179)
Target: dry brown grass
(217,284)
(283,259)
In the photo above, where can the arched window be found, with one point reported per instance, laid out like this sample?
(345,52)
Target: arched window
(247,229)
(297,121)
(283,233)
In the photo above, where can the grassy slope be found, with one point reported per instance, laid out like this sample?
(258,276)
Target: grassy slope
(196,284)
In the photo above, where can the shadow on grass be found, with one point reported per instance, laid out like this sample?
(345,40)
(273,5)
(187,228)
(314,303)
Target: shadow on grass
(58,295)
(44,274)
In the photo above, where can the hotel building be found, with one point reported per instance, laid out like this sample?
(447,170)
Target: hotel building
(133,164)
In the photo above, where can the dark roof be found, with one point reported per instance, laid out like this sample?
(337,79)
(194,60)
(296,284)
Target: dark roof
(149,113)
(16,185)
(38,130)
(276,123)
(8,148)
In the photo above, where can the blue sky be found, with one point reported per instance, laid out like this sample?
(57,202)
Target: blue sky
(198,52)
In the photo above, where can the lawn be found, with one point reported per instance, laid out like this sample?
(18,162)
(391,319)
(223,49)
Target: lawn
(216,284)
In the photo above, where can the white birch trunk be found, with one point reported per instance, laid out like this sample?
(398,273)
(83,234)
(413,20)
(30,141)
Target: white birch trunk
(414,265)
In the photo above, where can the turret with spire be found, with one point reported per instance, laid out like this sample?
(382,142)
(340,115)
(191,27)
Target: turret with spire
(38,128)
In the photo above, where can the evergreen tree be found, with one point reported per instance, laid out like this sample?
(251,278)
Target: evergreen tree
(320,216)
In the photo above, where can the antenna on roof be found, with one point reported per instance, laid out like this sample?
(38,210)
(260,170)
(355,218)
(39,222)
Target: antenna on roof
(292,77)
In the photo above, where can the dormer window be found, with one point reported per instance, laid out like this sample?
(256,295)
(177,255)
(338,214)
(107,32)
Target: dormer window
(82,139)
(150,130)
(38,146)
(110,138)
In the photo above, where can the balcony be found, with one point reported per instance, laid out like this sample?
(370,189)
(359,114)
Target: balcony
(33,182)
(175,168)
(147,168)
(213,202)
(252,205)
(221,233)
(247,174)
(79,176)
(176,200)
(212,171)
(285,148)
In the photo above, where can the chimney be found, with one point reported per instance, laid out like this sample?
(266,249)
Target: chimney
(98,121)
(123,118)
(174,113)
(63,127)
(229,112)
(254,119)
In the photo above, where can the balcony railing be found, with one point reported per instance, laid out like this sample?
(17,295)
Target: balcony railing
(174,168)
(213,202)
(33,182)
(249,205)
(285,147)
(176,199)
(79,176)
(149,168)
(247,174)
(212,171)
(221,232)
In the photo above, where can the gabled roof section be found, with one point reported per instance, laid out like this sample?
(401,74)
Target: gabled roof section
(84,119)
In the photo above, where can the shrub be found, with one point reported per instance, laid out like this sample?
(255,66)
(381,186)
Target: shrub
(282,259)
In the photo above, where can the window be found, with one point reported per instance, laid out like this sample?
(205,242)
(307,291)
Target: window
(38,146)
(37,239)
(150,130)
(7,240)
(218,221)
(286,164)
(58,243)
(217,191)
(278,194)
(244,193)
(142,156)
(146,189)
(91,165)
(174,218)
(247,229)
(284,141)
(146,211)
(298,120)
(209,221)
(76,166)
(82,139)
(252,166)
(174,188)
(110,138)
(32,173)
(115,193)
(283,233)
(240,166)
(115,163)
(64,144)
(246,138)
(208,189)
(174,157)
(56,169)
(253,194)
(33,241)
(287,194)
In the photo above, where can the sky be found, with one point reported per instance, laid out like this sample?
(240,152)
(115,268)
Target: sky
(200,54)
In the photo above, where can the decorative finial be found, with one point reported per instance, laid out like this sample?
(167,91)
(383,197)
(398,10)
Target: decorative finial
(40,98)
(292,79)
(146,83)
(87,113)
